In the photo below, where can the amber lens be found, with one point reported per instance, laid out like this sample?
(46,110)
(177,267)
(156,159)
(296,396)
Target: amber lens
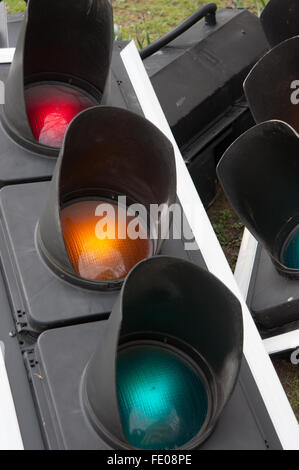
(106,257)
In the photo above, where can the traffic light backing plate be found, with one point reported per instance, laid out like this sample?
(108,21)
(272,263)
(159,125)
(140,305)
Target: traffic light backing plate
(272,298)
(32,284)
(244,423)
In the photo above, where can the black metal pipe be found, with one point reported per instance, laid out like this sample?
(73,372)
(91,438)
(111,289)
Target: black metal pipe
(208,11)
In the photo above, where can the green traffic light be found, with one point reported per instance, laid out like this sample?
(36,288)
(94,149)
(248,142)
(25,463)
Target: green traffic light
(291,252)
(162,399)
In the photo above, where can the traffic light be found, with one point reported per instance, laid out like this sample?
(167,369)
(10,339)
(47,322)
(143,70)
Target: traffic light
(271,87)
(259,174)
(52,78)
(155,379)
(56,235)
(279,20)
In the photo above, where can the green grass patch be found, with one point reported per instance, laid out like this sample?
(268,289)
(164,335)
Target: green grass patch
(147,20)
(15,6)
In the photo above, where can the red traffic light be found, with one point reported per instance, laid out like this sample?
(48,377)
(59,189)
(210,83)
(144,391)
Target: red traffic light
(51,107)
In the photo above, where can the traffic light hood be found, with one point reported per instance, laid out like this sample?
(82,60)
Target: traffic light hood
(60,41)
(108,152)
(260,176)
(271,87)
(279,19)
(172,303)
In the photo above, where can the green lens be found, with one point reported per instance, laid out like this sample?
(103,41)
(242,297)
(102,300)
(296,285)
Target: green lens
(291,252)
(162,399)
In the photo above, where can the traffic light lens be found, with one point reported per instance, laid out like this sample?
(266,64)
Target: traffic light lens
(94,244)
(162,400)
(50,109)
(291,252)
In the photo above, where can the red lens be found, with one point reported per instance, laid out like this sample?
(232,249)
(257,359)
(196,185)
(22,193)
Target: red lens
(50,109)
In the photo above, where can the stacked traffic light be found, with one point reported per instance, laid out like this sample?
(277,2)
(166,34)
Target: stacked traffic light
(258,172)
(58,253)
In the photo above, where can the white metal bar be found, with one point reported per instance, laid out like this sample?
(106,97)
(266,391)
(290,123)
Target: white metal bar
(259,362)
(245,262)
(286,342)
(10,436)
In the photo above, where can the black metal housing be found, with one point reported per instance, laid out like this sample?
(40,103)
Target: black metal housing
(279,19)
(180,303)
(270,84)
(50,47)
(101,156)
(259,174)
(198,78)
(273,299)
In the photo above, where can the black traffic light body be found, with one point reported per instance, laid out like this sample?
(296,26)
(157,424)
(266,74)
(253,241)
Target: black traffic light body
(271,89)
(198,78)
(34,298)
(259,174)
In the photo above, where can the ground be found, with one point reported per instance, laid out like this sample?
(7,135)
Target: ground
(145,21)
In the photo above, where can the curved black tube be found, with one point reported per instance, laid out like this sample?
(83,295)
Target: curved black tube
(208,11)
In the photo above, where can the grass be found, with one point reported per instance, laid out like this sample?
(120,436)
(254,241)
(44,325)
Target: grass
(289,376)
(15,6)
(228,228)
(145,21)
